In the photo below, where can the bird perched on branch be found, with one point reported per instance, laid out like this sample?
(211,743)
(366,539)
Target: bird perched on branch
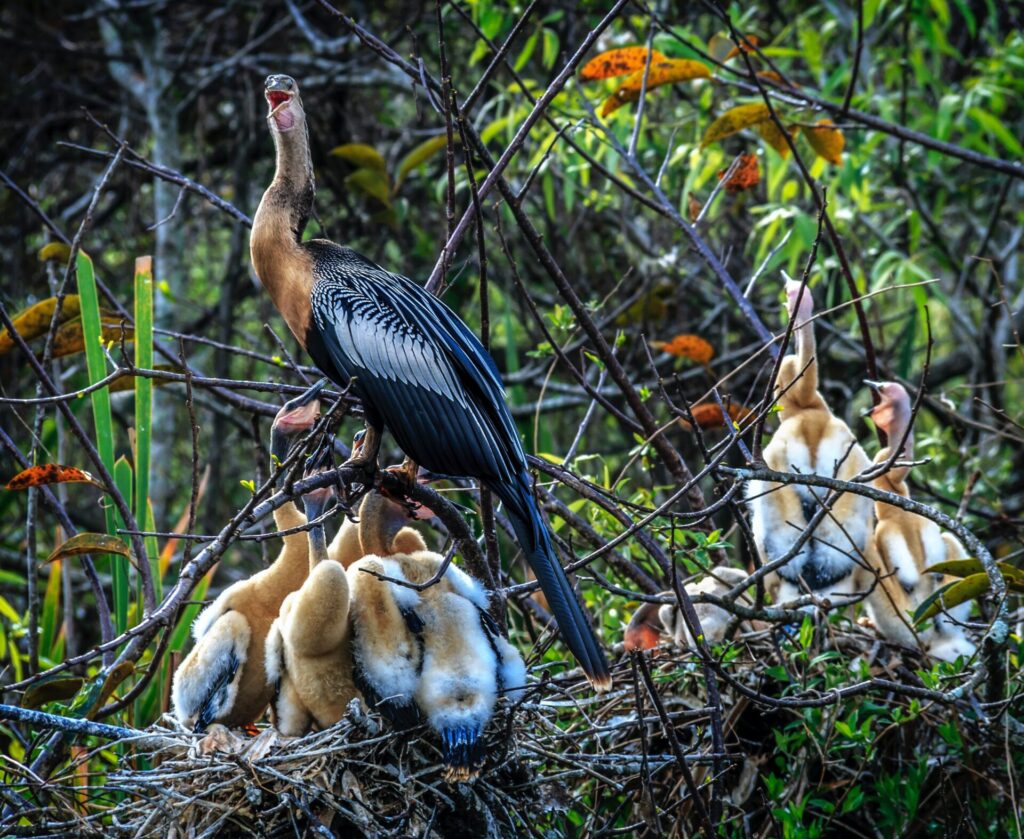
(906,544)
(309,651)
(418,369)
(812,440)
(652,621)
(223,679)
(434,654)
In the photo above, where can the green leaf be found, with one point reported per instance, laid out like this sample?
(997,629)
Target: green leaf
(525,53)
(969,588)
(56,688)
(361,155)
(122,585)
(992,123)
(144,405)
(49,626)
(371,182)
(418,156)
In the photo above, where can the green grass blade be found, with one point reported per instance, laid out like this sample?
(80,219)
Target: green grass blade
(97,367)
(144,407)
(122,590)
(49,628)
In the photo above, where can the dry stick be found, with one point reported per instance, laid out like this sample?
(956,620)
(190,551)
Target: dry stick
(449,149)
(31,571)
(677,467)
(707,820)
(51,501)
(696,240)
(870,363)
(487,523)
(148,593)
(858,49)
(801,98)
(495,174)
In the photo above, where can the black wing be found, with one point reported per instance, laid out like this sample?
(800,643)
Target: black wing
(215,700)
(418,368)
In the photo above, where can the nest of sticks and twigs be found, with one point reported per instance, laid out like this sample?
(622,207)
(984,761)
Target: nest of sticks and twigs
(630,759)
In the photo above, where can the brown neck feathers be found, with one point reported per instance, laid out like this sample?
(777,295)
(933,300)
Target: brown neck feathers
(278,259)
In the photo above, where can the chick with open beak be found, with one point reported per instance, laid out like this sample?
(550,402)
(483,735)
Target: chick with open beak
(283,99)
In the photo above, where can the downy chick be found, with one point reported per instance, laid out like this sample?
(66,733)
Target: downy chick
(811,440)
(223,679)
(654,621)
(434,654)
(309,651)
(906,544)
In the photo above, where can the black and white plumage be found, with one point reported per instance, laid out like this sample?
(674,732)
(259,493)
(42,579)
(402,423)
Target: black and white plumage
(419,371)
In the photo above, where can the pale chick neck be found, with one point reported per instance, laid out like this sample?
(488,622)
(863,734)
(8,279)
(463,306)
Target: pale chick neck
(894,481)
(292,564)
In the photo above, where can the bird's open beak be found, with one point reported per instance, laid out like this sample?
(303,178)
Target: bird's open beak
(876,388)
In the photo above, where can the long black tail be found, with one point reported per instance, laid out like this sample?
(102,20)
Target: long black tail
(535,541)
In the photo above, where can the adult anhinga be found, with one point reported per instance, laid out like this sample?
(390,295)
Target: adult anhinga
(418,369)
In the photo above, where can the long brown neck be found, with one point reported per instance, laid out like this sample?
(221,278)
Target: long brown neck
(283,267)
(378,523)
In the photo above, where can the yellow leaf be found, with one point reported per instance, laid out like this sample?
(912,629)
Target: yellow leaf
(361,155)
(735,120)
(372,182)
(719,46)
(55,250)
(771,134)
(35,320)
(827,141)
(419,155)
(666,71)
(618,62)
(70,339)
(90,543)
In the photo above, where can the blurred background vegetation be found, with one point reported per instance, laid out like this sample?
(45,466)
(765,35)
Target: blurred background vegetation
(937,236)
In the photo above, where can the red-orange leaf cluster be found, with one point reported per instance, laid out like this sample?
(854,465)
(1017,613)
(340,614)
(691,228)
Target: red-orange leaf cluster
(692,347)
(747,174)
(50,473)
(709,415)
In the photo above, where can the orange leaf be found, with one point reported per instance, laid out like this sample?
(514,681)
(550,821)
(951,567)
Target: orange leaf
(735,120)
(775,77)
(746,174)
(692,347)
(665,71)
(51,473)
(618,62)
(709,415)
(694,207)
(771,134)
(35,320)
(744,46)
(827,141)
